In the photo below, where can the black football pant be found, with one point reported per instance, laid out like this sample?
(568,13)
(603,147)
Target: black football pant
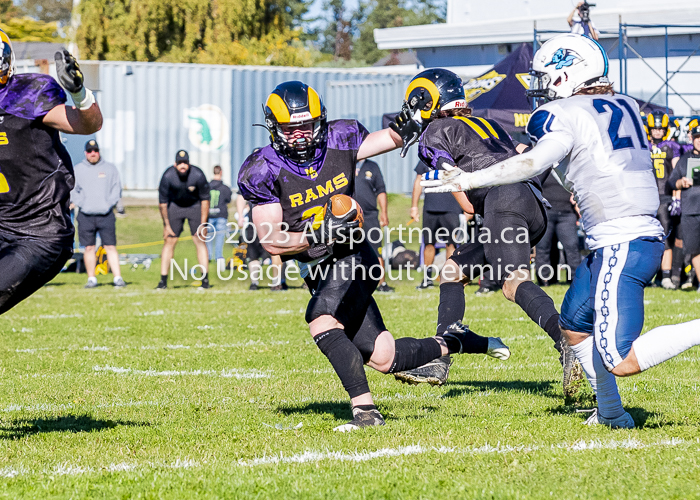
(27,264)
(514,221)
(563,225)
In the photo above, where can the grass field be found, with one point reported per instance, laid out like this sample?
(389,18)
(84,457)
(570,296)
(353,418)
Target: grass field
(135,393)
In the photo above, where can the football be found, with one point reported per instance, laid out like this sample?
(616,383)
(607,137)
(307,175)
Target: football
(341,204)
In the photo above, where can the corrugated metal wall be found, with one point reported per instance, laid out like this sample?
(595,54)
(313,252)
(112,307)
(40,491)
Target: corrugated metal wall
(153,109)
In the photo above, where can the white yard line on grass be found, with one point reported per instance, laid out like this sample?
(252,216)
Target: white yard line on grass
(358,456)
(211,345)
(230,373)
(363,456)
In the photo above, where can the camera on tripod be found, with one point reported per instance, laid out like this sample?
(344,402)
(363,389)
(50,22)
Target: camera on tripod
(585,11)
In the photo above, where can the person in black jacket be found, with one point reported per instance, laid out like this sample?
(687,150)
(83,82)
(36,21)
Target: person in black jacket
(561,221)
(686,177)
(183,195)
(220,195)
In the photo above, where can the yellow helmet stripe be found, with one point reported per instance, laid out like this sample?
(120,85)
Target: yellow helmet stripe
(432,90)
(4,37)
(650,120)
(314,103)
(693,123)
(278,108)
(488,126)
(476,128)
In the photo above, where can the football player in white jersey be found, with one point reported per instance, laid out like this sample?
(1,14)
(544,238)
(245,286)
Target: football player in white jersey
(596,140)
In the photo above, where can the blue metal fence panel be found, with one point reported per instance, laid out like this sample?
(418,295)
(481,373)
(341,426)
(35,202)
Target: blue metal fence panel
(153,109)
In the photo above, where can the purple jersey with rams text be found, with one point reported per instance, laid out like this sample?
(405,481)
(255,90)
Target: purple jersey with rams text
(304,188)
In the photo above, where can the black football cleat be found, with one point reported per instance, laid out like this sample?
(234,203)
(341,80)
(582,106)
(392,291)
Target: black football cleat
(362,419)
(384,288)
(162,285)
(433,373)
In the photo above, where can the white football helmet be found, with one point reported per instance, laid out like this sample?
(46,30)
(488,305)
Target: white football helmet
(565,64)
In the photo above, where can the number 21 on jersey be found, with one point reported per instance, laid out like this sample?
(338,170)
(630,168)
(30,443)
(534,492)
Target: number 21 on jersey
(617,115)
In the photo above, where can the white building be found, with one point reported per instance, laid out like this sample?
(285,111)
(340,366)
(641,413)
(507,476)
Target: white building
(478,34)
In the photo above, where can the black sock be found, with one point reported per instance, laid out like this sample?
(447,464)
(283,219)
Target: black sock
(677,262)
(164,277)
(451,306)
(205,277)
(412,353)
(470,342)
(665,274)
(450,310)
(365,407)
(540,308)
(345,359)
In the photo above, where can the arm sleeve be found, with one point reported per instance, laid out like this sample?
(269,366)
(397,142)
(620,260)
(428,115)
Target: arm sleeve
(434,145)
(521,167)
(115,189)
(256,182)
(677,173)
(50,96)
(163,189)
(203,187)
(379,186)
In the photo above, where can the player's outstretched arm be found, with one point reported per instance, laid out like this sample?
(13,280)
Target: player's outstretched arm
(515,169)
(376,143)
(85,118)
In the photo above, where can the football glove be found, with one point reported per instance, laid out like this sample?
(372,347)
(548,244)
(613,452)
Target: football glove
(448,180)
(674,208)
(408,127)
(71,78)
(68,71)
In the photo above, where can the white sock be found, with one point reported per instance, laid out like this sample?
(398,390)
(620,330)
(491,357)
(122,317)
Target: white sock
(117,278)
(92,280)
(663,343)
(601,380)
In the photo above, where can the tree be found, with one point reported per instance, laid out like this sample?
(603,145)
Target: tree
(337,37)
(392,14)
(26,29)
(57,11)
(221,31)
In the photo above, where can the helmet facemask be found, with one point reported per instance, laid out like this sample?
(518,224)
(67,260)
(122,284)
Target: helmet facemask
(290,106)
(300,149)
(7,58)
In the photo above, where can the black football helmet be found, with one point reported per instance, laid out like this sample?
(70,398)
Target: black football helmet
(658,119)
(434,90)
(7,58)
(294,104)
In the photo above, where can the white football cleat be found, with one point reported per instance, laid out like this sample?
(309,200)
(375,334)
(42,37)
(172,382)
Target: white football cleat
(497,349)
(667,284)
(624,421)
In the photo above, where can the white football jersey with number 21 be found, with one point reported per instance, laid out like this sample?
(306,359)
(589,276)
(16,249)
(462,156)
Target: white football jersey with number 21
(608,168)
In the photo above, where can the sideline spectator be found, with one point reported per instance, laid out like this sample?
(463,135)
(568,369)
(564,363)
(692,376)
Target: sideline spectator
(370,190)
(561,219)
(580,21)
(686,177)
(440,213)
(220,195)
(183,195)
(96,193)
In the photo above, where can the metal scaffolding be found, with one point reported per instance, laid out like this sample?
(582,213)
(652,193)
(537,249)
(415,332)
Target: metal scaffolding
(624,48)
